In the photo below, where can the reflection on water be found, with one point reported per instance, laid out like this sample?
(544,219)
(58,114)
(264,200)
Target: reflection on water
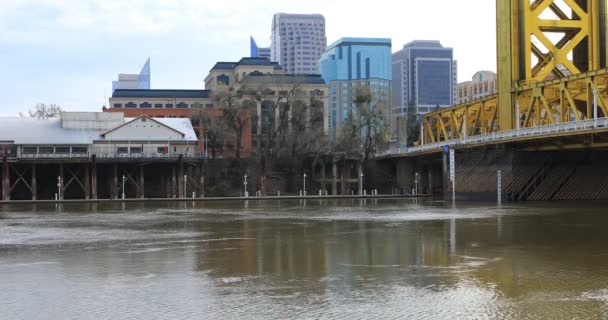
(303,259)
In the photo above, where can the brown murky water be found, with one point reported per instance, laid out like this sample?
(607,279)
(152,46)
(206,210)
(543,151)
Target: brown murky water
(385,259)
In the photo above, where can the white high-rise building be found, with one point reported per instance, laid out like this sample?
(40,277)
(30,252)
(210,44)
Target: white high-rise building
(298,41)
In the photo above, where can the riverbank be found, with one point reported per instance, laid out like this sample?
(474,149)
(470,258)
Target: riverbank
(267,198)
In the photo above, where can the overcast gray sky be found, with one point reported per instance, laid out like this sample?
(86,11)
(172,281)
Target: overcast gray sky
(68,52)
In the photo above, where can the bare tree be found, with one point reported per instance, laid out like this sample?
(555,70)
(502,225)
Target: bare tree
(292,126)
(43,111)
(364,129)
(237,108)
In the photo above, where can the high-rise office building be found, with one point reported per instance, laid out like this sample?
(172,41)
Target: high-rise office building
(134,81)
(258,52)
(297,42)
(424,78)
(350,64)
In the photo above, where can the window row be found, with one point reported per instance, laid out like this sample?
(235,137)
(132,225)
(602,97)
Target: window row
(52,149)
(146,105)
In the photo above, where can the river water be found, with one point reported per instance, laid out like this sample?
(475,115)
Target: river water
(330,259)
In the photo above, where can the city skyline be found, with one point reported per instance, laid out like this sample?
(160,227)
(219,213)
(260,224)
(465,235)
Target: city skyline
(67,53)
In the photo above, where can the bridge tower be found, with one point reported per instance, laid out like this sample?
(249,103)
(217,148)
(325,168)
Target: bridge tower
(539,40)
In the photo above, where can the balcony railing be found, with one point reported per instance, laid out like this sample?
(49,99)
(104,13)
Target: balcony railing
(102,155)
(540,131)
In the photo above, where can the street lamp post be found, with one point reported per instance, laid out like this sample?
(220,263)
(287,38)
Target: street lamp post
(245,185)
(123,186)
(416,181)
(59,188)
(304,186)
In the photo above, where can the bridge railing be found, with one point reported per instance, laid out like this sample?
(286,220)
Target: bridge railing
(540,131)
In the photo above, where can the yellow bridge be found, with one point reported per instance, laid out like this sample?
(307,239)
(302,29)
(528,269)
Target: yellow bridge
(543,136)
(552,80)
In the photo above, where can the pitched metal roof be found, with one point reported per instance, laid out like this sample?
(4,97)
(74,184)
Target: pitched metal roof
(284,78)
(159,93)
(31,131)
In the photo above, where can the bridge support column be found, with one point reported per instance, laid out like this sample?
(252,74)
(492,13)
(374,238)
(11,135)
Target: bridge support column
(323,181)
(34,183)
(445,177)
(6,180)
(430,184)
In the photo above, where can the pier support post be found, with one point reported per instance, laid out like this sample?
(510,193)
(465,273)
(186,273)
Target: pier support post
(334,180)
(360,177)
(115,181)
(34,183)
(180,176)
(87,182)
(202,179)
(62,187)
(142,193)
(343,178)
(323,181)
(173,183)
(94,177)
(6,180)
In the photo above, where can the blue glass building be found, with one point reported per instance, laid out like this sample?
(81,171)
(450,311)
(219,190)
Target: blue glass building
(352,63)
(424,78)
(258,52)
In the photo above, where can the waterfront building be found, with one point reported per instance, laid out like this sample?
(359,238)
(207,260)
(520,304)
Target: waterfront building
(134,81)
(297,41)
(82,134)
(424,78)
(482,84)
(258,52)
(350,64)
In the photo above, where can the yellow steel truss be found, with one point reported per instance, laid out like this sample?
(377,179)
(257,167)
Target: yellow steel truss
(547,51)
(549,102)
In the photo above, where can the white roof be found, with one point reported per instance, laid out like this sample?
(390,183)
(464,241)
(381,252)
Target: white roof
(25,131)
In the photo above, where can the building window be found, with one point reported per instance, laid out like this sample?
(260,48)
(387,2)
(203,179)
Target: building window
(164,149)
(145,105)
(209,105)
(46,150)
(122,150)
(197,105)
(169,106)
(79,149)
(182,105)
(130,105)
(30,150)
(158,105)
(118,105)
(223,79)
(135,150)
(62,150)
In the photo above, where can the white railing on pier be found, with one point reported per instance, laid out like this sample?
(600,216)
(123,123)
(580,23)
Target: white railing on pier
(540,131)
(36,156)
